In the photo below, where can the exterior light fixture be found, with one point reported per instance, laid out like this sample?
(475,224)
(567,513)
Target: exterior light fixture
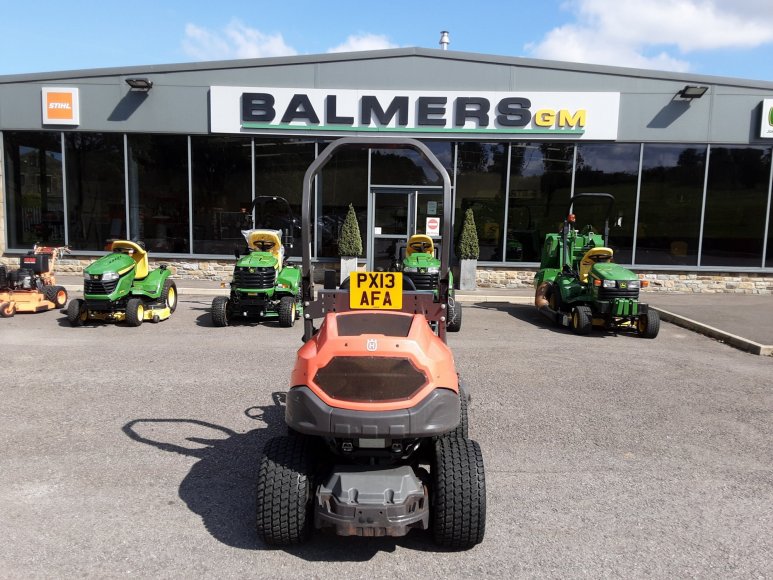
(140,84)
(691,92)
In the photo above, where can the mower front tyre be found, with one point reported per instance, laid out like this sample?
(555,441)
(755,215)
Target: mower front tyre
(459,493)
(135,312)
(7,309)
(220,311)
(454,316)
(285,498)
(648,325)
(77,313)
(55,294)
(169,295)
(582,319)
(287,309)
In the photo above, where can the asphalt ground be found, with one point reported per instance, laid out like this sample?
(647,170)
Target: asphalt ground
(133,452)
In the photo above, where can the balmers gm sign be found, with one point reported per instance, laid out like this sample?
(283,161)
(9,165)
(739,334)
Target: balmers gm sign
(493,114)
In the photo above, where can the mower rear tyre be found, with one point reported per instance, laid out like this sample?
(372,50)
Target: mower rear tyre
(285,498)
(169,295)
(582,319)
(648,325)
(55,294)
(220,311)
(77,313)
(7,309)
(135,312)
(287,309)
(459,493)
(454,316)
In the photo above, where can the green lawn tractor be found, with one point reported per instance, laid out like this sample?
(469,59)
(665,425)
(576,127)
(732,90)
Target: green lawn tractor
(579,285)
(121,287)
(422,266)
(263,285)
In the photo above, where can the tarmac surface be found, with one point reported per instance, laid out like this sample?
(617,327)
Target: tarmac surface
(744,321)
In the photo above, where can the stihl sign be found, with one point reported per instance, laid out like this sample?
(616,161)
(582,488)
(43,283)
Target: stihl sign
(60,106)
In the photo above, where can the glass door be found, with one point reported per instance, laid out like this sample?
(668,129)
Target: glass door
(398,214)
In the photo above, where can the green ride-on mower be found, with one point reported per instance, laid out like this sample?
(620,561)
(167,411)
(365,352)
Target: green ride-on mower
(376,414)
(423,267)
(121,287)
(263,286)
(579,285)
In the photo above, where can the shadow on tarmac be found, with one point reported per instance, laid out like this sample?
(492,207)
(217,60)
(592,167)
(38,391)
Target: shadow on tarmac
(221,486)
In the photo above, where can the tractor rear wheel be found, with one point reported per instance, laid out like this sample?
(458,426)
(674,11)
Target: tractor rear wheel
(7,309)
(459,493)
(169,295)
(220,315)
(648,324)
(454,316)
(554,297)
(135,312)
(55,294)
(77,313)
(287,309)
(582,319)
(462,430)
(285,498)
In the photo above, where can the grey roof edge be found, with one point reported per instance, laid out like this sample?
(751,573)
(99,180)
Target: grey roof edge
(383,54)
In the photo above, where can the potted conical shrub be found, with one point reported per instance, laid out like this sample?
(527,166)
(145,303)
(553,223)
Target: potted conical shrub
(349,244)
(468,251)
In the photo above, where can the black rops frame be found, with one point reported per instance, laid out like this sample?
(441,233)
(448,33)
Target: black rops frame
(422,302)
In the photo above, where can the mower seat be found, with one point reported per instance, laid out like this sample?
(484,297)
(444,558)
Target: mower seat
(420,244)
(591,257)
(138,254)
(267,236)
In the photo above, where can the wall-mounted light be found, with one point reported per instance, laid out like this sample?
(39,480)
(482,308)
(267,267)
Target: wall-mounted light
(691,92)
(140,84)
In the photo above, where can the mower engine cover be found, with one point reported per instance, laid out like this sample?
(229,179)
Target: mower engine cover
(102,278)
(390,364)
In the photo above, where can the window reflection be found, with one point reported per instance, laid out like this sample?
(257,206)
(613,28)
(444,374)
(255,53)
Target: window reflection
(33,166)
(410,167)
(96,197)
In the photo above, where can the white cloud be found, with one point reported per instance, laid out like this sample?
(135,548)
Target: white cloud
(236,40)
(357,42)
(655,34)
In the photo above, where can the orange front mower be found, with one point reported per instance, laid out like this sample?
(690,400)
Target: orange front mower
(32,288)
(377,440)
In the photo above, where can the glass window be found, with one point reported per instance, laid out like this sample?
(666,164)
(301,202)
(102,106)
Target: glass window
(612,168)
(96,200)
(34,189)
(279,170)
(480,185)
(158,192)
(410,167)
(343,180)
(670,204)
(540,183)
(736,200)
(222,192)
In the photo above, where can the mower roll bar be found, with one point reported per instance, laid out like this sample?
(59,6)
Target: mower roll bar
(307,271)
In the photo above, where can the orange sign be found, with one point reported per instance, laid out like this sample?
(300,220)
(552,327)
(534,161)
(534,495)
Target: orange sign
(60,106)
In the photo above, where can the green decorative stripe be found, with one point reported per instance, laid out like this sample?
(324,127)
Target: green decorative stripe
(288,127)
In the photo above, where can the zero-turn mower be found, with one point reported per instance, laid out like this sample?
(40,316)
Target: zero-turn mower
(376,413)
(121,287)
(579,285)
(32,288)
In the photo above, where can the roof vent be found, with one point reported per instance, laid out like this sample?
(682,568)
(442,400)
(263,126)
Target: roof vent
(444,40)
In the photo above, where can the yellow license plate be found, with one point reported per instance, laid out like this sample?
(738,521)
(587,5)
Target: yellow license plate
(376,290)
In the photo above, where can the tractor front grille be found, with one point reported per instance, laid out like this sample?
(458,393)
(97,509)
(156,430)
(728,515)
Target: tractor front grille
(99,287)
(370,378)
(610,293)
(254,278)
(424,280)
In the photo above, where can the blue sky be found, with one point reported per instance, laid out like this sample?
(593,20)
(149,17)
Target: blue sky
(731,38)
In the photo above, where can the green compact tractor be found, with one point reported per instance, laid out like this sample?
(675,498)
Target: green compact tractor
(263,285)
(121,286)
(579,285)
(422,266)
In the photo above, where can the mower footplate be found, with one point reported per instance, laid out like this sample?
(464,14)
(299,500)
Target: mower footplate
(376,502)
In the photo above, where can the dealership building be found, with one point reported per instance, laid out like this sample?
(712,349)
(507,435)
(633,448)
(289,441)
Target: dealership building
(173,155)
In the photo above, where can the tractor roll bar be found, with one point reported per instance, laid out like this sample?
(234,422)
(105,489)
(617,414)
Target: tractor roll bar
(307,272)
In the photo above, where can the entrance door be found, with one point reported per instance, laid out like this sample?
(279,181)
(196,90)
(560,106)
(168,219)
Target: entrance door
(397,215)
